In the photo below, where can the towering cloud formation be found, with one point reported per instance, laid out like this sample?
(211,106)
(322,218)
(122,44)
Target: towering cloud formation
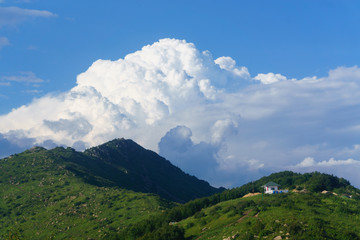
(208,116)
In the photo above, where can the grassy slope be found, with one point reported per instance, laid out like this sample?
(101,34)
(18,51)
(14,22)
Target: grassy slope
(212,217)
(51,193)
(293,215)
(41,198)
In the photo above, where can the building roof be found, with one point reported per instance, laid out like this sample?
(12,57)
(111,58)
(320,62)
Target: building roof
(271,184)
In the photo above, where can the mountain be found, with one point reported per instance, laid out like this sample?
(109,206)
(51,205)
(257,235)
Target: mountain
(286,216)
(63,193)
(318,206)
(40,198)
(126,164)
(113,191)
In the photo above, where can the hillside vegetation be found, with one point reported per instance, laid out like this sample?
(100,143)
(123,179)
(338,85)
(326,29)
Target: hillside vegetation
(216,217)
(289,216)
(124,163)
(41,198)
(119,190)
(63,193)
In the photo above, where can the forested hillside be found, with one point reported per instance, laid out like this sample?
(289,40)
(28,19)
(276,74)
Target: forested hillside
(279,216)
(126,164)
(220,211)
(119,190)
(63,193)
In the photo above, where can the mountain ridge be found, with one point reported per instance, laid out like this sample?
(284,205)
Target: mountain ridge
(124,163)
(148,169)
(111,192)
(65,193)
(220,216)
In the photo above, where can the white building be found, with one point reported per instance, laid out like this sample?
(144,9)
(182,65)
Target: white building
(273,188)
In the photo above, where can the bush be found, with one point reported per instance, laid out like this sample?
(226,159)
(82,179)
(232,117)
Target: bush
(199,214)
(166,233)
(190,225)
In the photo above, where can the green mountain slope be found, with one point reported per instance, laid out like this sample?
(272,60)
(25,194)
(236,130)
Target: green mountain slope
(126,164)
(290,216)
(40,198)
(305,214)
(65,193)
(110,192)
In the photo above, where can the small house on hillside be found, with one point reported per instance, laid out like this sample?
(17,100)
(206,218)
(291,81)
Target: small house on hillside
(273,188)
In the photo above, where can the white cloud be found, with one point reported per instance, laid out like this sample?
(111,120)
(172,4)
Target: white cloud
(16,1)
(222,129)
(255,164)
(197,159)
(14,15)
(34,91)
(24,77)
(310,162)
(307,162)
(347,169)
(333,162)
(229,64)
(345,73)
(200,113)
(270,78)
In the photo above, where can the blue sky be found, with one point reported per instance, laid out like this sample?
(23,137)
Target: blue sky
(288,88)
(295,38)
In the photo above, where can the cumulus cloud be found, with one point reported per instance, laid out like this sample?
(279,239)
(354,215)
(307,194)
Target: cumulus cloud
(14,15)
(18,143)
(307,162)
(270,78)
(75,128)
(222,129)
(197,159)
(345,73)
(207,116)
(229,64)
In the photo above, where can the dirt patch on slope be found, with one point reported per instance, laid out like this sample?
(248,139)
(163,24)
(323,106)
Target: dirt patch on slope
(251,194)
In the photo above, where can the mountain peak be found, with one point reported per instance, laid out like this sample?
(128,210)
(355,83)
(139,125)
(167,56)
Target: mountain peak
(144,170)
(36,149)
